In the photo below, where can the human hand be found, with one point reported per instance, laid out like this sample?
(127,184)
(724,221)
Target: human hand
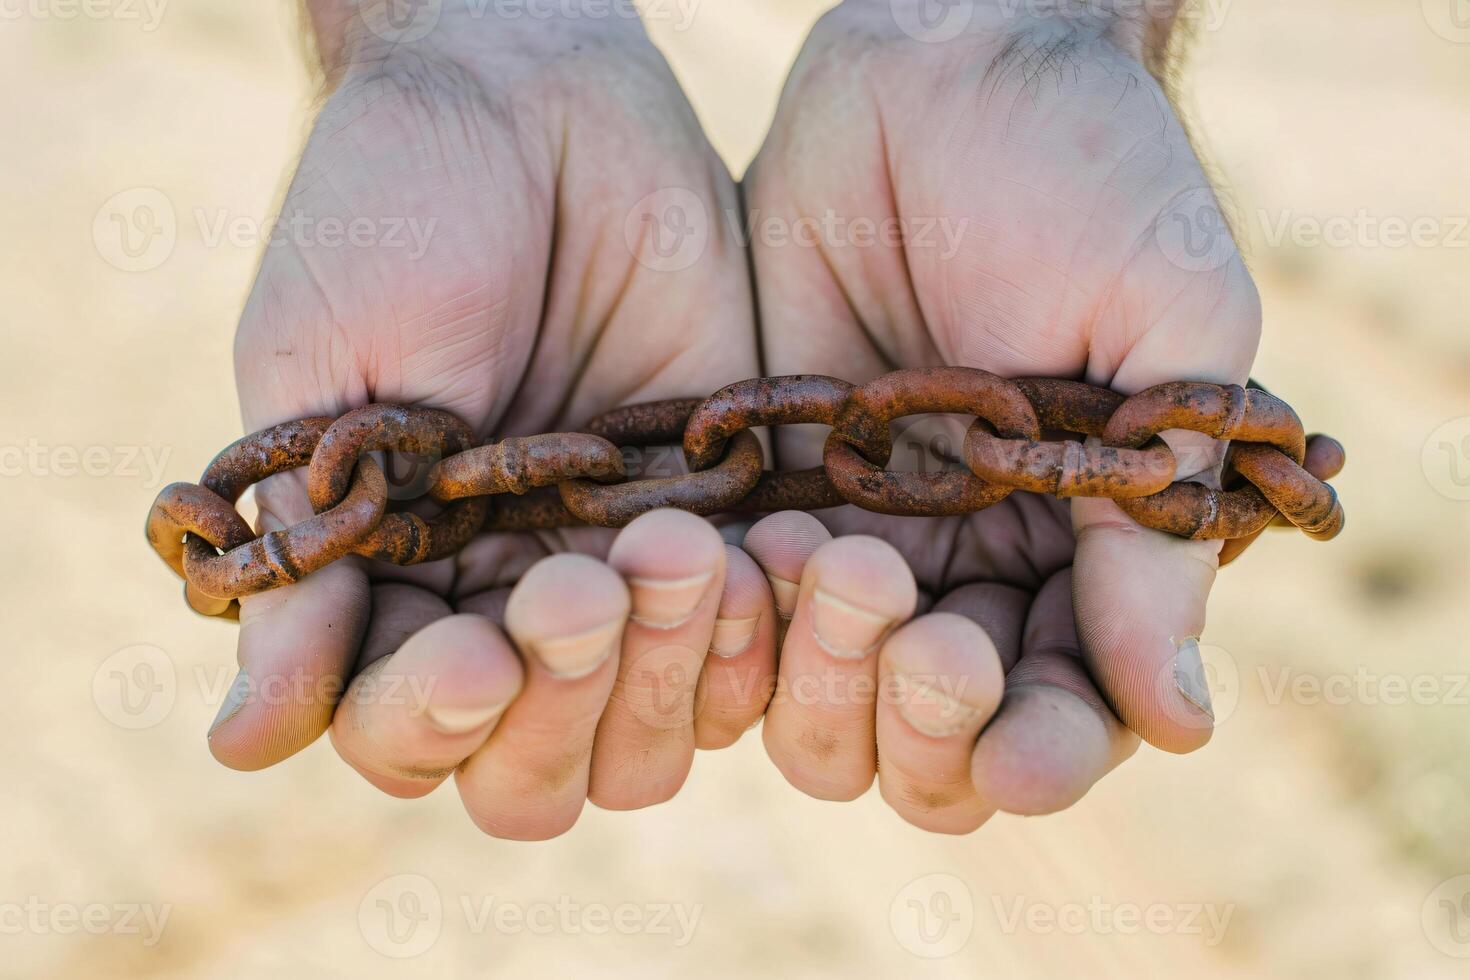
(1039,176)
(509,162)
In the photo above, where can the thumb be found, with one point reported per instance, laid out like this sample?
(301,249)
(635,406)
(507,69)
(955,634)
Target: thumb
(1140,594)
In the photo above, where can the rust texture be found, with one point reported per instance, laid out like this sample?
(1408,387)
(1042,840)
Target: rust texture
(1038,435)
(401,538)
(704,492)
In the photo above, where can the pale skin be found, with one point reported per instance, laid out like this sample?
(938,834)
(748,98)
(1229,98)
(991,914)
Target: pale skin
(1002,662)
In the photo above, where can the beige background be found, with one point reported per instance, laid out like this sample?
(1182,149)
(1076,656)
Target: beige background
(1323,825)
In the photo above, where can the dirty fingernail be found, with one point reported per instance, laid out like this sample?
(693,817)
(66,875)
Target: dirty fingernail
(1189,676)
(933,711)
(844,630)
(235,699)
(785,593)
(572,657)
(666,603)
(461,721)
(733,637)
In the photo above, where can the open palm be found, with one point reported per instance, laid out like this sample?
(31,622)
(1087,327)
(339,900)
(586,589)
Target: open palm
(1054,221)
(495,178)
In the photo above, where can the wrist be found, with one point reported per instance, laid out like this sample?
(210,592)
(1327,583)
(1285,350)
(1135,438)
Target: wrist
(1142,28)
(500,35)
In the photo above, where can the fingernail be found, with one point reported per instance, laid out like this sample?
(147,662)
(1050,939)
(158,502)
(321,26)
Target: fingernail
(572,657)
(733,637)
(785,593)
(235,699)
(845,631)
(1189,676)
(461,721)
(666,603)
(932,711)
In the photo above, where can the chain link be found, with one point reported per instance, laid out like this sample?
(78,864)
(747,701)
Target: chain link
(1035,435)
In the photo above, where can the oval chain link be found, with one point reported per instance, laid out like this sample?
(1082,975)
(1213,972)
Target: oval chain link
(1038,435)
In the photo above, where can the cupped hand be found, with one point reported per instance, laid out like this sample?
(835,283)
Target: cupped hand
(487,186)
(1012,192)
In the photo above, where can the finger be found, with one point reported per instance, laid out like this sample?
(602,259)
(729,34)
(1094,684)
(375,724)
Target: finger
(529,781)
(296,648)
(819,730)
(413,716)
(1140,607)
(740,669)
(674,564)
(940,681)
(781,544)
(1000,610)
(1141,594)
(1053,737)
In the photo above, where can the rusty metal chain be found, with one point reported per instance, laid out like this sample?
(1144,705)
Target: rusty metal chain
(1036,435)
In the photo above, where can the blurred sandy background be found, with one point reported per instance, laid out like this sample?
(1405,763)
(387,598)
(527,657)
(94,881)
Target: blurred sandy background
(1330,828)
